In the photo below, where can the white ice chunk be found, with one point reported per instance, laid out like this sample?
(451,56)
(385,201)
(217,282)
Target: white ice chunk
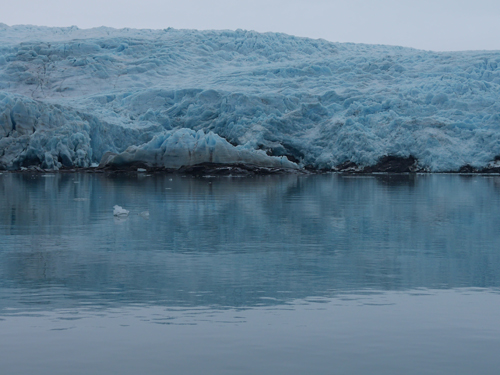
(119,211)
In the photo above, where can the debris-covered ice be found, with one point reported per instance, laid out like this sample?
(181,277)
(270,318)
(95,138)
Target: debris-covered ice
(164,98)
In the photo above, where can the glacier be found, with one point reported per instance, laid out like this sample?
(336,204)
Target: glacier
(76,98)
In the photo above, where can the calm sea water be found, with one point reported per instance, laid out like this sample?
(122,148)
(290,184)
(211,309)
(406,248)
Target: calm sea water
(266,275)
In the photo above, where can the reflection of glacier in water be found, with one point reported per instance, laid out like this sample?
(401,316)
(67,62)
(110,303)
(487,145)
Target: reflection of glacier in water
(265,275)
(243,241)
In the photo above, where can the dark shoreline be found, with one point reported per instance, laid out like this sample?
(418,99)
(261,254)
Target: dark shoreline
(388,166)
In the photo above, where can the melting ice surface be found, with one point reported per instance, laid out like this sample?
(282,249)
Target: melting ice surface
(283,274)
(69,97)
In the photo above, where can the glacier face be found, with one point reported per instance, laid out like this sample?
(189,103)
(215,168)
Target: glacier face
(169,97)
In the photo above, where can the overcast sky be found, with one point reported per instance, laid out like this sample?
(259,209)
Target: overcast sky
(440,25)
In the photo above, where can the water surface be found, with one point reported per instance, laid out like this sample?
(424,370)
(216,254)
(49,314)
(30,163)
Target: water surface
(274,275)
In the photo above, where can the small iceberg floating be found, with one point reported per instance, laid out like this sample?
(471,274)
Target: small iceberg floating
(144,215)
(119,211)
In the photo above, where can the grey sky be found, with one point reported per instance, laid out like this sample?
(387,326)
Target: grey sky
(427,24)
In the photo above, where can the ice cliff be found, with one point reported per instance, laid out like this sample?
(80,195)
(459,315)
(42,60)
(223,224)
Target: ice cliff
(164,98)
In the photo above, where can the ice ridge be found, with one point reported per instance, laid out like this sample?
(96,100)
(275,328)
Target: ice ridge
(72,98)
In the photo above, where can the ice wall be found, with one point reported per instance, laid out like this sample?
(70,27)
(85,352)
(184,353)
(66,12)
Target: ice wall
(69,96)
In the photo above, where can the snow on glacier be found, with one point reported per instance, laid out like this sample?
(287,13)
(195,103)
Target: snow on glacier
(69,97)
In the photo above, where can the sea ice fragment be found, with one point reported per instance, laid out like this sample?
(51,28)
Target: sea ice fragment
(119,211)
